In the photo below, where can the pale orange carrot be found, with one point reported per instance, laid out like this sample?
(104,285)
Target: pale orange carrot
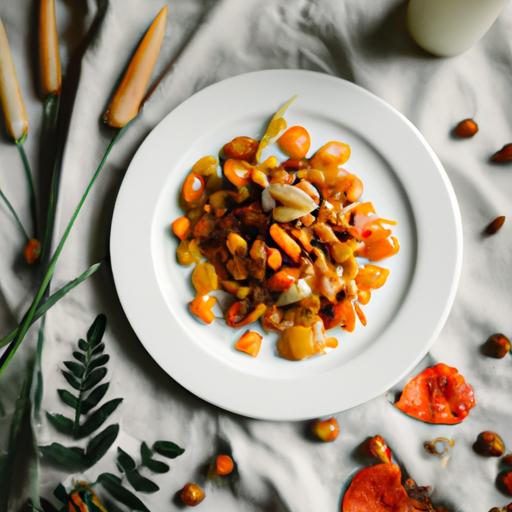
(274,258)
(285,241)
(193,187)
(250,343)
(237,172)
(283,279)
(49,59)
(15,114)
(128,97)
(181,227)
(202,306)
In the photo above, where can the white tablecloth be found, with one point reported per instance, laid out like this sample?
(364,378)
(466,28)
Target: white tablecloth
(363,41)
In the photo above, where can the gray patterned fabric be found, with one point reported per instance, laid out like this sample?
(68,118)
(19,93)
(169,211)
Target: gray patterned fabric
(206,41)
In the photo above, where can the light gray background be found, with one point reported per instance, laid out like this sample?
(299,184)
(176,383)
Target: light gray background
(361,40)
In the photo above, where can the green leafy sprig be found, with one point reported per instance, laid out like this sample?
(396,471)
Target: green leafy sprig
(84,376)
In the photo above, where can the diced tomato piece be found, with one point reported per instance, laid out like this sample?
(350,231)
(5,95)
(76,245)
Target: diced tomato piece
(250,343)
(340,314)
(376,489)
(438,394)
(241,148)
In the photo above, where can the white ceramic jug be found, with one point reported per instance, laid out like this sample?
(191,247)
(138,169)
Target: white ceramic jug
(450,27)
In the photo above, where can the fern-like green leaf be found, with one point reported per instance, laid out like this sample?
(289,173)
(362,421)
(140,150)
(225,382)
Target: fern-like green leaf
(72,381)
(96,331)
(94,378)
(97,418)
(61,494)
(68,398)
(168,449)
(154,465)
(125,460)
(112,484)
(76,369)
(94,397)
(83,345)
(99,361)
(61,423)
(100,444)
(98,349)
(70,459)
(79,356)
(141,483)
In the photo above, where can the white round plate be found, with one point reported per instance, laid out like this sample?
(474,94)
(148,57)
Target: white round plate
(402,177)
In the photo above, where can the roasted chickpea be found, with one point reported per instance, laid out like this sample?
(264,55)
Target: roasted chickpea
(497,346)
(192,494)
(466,128)
(489,444)
(326,430)
(379,449)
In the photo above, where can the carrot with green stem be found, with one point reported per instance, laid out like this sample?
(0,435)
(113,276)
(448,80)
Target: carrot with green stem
(124,107)
(15,113)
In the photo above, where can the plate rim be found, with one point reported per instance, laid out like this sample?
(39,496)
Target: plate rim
(453,203)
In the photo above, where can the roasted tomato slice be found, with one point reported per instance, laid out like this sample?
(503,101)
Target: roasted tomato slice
(376,489)
(439,394)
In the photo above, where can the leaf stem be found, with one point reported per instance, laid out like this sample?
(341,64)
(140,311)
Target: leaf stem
(10,207)
(51,109)
(29,315)
(53,299)
(30,181)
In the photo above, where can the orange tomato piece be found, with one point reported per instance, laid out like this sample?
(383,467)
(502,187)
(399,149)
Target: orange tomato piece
(285,242)
(237,172)
(331,154)
(241,148)
(364,296)
(295,142)
(202,306)
(376,489)
(283,279)
(224,465)
(340,314)
(249,343)
(193,187)
(439,394)
(371,277)
(380,249)
(181,227)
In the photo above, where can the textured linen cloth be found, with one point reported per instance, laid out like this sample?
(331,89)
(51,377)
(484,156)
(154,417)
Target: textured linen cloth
(365,41)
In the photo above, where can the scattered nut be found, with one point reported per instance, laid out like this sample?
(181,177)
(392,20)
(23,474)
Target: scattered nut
(497,346)
(326,430)
(504,482)
(507,460)
(504,155)
(489,444)
(192,494)
(495,225)
(466,128)
(379,449)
